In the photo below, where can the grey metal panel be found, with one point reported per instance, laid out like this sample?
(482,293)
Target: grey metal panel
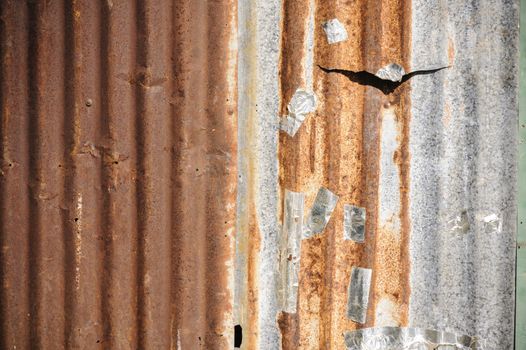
(463,144)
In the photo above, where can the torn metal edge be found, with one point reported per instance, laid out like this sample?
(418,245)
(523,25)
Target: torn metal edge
(290,249)
(408,338)
(358,294)
(335,31)
(353,223)
(393,72)
(320,213)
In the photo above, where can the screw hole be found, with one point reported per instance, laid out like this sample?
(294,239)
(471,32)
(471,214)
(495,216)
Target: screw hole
(76,219)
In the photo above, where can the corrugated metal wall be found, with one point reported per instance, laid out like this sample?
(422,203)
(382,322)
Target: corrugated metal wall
(118,174)
(143,171)
(441,145)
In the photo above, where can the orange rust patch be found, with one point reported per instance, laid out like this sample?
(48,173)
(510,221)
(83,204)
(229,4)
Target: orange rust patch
(451,50)
(447,114)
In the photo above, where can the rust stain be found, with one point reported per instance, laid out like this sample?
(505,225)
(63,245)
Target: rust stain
(339,148)
(451,50)
(124,193)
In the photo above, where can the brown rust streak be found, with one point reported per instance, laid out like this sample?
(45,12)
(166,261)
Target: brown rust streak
(339,148)
(14,174)
(295,16)
(205,175)
(248,236)
(391,266)
(327,151)
(342,110)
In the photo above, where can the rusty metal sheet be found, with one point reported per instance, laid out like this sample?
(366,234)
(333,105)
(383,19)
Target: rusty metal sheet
(138,211)
(385,146)
(118,174)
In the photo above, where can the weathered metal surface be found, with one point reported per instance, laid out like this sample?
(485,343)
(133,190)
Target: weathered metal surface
(415,156)
(463,158)
(290,249)
(394,338)
(118,174)
(127,182)
(520,325)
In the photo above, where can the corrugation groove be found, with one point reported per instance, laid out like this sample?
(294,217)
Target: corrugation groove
(14,130)
(118,174)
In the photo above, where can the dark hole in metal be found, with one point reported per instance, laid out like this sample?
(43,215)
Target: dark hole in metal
(238,336)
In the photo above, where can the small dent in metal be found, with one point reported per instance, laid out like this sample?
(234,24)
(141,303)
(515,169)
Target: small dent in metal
(335,31)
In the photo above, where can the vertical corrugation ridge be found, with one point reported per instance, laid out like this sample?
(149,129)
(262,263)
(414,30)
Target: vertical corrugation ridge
(71,139)
(48,177)
(14,174)
(119,294)
(223,164)
(107,227)
(139,139)
(190,234)
(154,155)
(33,149)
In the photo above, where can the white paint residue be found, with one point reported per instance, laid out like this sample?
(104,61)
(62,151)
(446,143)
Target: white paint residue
(386,312)
(389,173)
